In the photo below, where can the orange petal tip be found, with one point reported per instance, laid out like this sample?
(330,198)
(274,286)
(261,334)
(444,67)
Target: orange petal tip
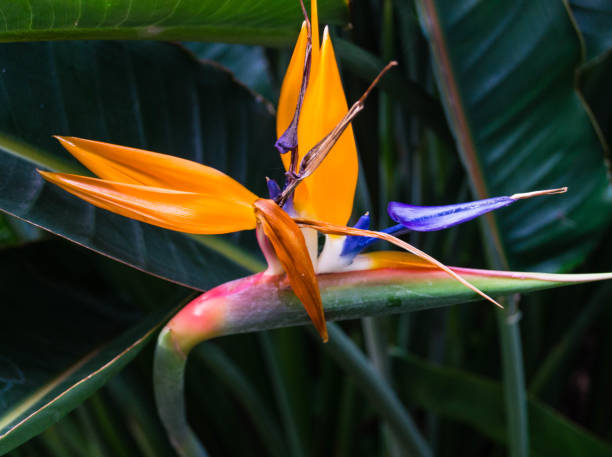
(290,248)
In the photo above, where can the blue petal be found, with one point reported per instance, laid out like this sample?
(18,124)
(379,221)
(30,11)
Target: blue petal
(430,218)
(353,245)
(288,140)
(363,223)
(274,189)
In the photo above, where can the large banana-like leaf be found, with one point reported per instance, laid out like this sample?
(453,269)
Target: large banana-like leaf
(66,333)
(237,21)
(507,76)
(150,95)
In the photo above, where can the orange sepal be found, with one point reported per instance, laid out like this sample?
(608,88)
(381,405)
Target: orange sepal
(138,166)
(290,248)
(324,107)
(189,212)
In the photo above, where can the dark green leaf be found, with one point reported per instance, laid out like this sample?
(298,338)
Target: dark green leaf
(14,232)
(272,22)
(597,90)
(67,335)
(412,95)
(248,64)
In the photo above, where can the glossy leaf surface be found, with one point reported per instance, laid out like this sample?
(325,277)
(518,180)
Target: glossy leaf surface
(79,333)
(237,21)
(248,64)
(521,125)
(597,91)
(149,95)
(412,95)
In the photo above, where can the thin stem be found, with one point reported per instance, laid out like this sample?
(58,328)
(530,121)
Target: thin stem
(168,379)
(94,446)
(148,435)
(388,157)
(52,440)
(106,425)
(515,395)
(376,342)
(376,345)
(295,445)
(514,388)
(242,388)
(345,420)
(373,386)
(567,345)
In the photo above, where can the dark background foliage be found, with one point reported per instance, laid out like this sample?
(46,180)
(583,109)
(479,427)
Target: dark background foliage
(496,99)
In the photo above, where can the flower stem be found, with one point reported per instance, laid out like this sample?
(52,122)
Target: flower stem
(243,390)
(514,378)
(168,378)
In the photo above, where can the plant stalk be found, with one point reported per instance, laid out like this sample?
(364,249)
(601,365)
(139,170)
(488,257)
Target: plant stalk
(374,387)
(168,378)
(515,394)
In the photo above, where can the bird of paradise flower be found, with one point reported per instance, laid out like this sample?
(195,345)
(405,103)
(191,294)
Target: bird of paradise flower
(319,153)
(320,157)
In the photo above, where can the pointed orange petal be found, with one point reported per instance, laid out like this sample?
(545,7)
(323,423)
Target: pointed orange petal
(182,211)
(290,248)
(137,166)
(324,106)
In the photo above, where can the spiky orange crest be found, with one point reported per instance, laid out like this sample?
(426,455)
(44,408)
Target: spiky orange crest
(323,108)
